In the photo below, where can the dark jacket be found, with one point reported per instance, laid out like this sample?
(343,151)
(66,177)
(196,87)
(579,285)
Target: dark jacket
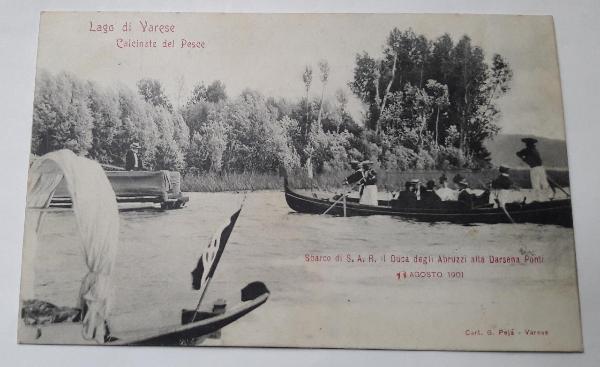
(471,201)
(466,198)
(531,156)
(502,183)
(406,199)
(130,161)
(429,199)
(354,177)
(370,177)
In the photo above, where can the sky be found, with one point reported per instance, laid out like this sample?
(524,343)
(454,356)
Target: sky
(268,53)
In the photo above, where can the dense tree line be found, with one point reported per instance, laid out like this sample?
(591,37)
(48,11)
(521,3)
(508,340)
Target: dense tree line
(428,104)
(430,97)
(101,124)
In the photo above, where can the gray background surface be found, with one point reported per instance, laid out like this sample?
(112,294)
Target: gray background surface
(577,32)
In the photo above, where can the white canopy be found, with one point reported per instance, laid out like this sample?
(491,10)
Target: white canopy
(96,213)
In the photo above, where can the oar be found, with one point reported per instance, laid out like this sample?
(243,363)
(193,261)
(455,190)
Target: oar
(506,212)
(339,199)
(501,206)
(557,185)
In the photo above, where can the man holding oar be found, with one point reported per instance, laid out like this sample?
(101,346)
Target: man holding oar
(356,175)
(359,177)
(537,172)
(369,181)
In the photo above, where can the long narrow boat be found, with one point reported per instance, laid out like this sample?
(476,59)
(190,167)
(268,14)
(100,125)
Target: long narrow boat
(547,212)
(187,333)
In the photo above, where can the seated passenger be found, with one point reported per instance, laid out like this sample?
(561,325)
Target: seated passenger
(406,198)
(504,189)
(416,187)
(468,198)
(444,192)
(503,181)
(429,198)
(457,179)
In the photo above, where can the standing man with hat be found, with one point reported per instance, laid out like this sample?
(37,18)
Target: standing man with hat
(369,182)
(537,173)
(133,162)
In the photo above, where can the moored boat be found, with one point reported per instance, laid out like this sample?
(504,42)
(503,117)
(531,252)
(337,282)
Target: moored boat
(547,212)
(159,187)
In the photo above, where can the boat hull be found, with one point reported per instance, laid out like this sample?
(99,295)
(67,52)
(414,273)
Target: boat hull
(159,187)
(178,335)
(70,332)
(551,212)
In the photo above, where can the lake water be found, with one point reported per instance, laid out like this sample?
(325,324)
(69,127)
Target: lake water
(328,304)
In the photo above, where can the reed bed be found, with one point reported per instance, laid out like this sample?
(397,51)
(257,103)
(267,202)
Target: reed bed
(333,181)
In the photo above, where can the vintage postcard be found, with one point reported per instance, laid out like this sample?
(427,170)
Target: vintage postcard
(380,181)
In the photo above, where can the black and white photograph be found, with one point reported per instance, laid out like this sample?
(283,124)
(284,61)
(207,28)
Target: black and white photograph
(354,181)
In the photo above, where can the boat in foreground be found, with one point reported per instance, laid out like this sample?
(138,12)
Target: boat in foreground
(194,327)
(547,212)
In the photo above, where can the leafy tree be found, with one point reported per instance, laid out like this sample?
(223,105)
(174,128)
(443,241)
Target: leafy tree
(198,94)
(330,149)
(439,95)
(215,92)
(468,78)
(307,80)
(181,132)
(168,156)
(440,61)
(61,115)
(138,124)
(250,119)
(207,147)
(195,115)
(152,92)
(308,149)
(105,112)
(462,87)
(324,76)
(281,139)
(365,86)
(248,133)
(452,136)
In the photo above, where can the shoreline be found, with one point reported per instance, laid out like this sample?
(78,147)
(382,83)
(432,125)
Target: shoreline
(332,181)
